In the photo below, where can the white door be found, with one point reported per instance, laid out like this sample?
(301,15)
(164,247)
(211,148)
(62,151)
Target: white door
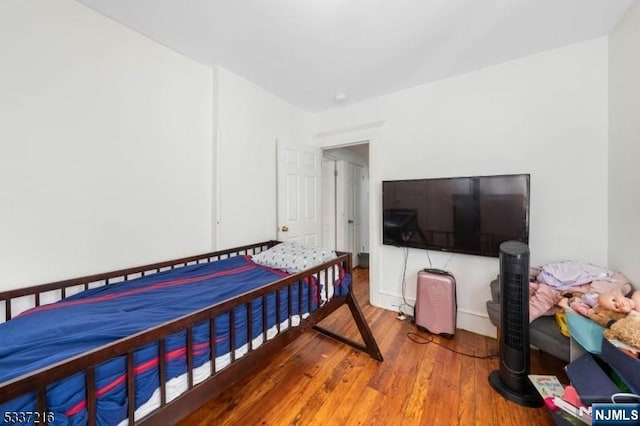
(328,203)
(364,211)
(353,181)
(298,192)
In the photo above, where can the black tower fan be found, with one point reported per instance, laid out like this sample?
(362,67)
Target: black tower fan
(511,380)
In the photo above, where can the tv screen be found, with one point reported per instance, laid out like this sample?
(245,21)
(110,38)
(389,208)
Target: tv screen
(470,215)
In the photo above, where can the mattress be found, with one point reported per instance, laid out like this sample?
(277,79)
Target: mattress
(50,333)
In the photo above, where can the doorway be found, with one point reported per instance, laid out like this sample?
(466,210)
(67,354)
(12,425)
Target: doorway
(345,195)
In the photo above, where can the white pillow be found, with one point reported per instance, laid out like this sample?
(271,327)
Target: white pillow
(293,257)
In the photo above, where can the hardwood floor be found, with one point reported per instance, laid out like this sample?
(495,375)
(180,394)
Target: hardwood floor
(318,381)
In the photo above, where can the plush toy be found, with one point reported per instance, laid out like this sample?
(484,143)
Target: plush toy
(618,314)
(605,308)
(616,301)
(605,317)
(626,330)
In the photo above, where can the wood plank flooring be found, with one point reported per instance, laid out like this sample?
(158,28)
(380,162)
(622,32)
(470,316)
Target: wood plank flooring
(318,381)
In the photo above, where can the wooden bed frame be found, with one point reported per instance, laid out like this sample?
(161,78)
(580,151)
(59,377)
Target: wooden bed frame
(197,394)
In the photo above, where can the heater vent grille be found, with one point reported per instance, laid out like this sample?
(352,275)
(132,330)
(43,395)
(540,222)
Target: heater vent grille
(511,379)
(514,322)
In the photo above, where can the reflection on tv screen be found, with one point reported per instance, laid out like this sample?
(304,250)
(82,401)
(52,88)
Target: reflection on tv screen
(471,215)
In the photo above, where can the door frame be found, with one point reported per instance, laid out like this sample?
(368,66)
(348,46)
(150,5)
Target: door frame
(368,133)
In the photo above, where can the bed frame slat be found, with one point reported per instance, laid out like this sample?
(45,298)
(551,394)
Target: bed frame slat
(232,335)
(7,309)
(90,379)
(264,318)
(311,293)
(278,314)
(300,298)
(162,371)
(319,288)
(289,306)
(41,405)
(131,389)
(250,326)
(212,344)
(190,356)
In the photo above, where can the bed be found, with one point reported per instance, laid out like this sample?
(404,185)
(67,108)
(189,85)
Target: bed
(171,335)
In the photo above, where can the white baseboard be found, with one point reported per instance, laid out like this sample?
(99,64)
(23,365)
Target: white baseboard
(466,320)
(476,323)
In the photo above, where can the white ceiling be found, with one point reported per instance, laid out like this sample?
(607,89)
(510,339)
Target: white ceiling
(307,51)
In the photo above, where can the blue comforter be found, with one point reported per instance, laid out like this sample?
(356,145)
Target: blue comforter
(50,333)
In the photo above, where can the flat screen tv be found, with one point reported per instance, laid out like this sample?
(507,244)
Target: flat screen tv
(470,215)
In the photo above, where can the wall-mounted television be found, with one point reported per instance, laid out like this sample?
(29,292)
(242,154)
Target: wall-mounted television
(470,215)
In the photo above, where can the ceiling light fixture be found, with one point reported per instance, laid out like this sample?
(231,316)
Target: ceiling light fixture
(341,97)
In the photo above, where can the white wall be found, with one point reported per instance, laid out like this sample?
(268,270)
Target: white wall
(106,151)
(250,120)
(544,114)
(105,145)
(624,149)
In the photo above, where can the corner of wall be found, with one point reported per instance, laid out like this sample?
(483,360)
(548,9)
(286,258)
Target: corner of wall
(623,150)
(215,155)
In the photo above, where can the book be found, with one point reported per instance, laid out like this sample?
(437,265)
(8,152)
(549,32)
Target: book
(583,415)
(566,419)
(547,385)
(627,349)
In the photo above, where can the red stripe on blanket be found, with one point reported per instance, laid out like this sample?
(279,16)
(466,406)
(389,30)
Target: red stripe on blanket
(270,269)
(165,284)
(198,349)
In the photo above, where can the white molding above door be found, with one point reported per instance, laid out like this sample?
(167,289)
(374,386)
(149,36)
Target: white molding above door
(350,135)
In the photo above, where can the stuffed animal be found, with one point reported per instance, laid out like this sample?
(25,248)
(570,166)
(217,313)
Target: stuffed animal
(605,317)
(616,301)
(619,315)
(626,330)
(604,309)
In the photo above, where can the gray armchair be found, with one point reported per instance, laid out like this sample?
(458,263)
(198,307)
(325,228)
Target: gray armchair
(544,333)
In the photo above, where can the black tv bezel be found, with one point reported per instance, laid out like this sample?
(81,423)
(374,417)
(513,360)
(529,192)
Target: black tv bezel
(459,251)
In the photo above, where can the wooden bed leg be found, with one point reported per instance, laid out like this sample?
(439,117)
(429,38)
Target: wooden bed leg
(363,326)
(370,346)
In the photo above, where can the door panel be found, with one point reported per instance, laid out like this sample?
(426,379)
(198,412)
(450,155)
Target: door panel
(353,210)
(299,174)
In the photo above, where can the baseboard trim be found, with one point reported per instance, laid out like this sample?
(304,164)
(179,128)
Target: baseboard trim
(465,320)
